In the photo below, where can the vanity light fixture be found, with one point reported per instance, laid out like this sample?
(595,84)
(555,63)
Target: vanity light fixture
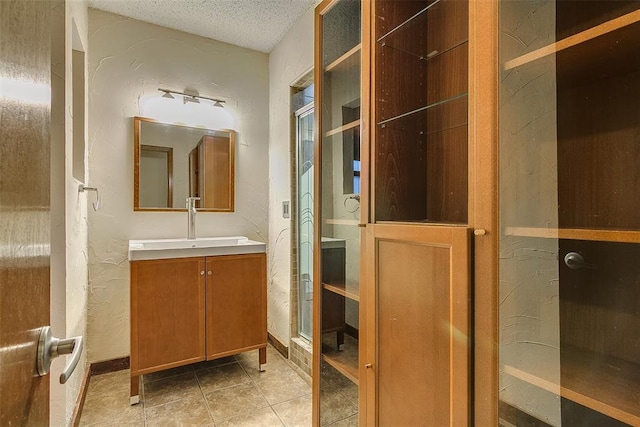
(189,97)
(187,108)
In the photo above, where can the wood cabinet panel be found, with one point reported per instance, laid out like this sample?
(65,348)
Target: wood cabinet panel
(236,304)
(421,324)
(167,313)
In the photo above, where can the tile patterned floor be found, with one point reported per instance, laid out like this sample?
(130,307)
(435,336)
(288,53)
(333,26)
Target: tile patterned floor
(224,392)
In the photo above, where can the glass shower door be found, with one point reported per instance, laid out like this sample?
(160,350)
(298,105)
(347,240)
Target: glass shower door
(304,139)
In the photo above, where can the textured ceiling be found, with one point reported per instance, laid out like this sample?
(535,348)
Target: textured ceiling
(256,24)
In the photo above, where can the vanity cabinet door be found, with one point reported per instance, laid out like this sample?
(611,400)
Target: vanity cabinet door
(167,313)
(236,304)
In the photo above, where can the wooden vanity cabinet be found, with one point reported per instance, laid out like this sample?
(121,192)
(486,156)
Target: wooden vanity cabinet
(187,310)
(167,313)
(236,304)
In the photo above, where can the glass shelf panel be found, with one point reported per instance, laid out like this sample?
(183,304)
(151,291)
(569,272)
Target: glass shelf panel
(424,80)
(391,15)
(422,37)
(422,163)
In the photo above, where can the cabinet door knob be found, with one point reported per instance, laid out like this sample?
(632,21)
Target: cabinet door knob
(202,273)
(368,366)
(209,273)
(480,232)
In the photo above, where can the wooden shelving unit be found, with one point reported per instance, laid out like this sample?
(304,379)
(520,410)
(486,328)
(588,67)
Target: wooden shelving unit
(351,290)
(572,126)
(574,40)
(338,75)
(344,361)
(346,61)
(620,236)
(594,381)
(353,124)
(337,221)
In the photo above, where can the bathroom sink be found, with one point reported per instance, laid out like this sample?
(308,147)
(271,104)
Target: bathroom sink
(184,248)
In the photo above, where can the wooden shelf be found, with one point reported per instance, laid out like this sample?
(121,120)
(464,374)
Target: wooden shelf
(335,221)
(620,236)
(344,362)
(576,39)
(605,384)
(349,59)
(351,290)
(343,128)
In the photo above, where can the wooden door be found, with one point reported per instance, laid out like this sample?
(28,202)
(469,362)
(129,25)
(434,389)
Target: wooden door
(236,304)
(161,292)
(418,314)
(24,208)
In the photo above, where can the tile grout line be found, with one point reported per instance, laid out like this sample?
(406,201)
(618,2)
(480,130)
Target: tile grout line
(286,361)
(260,391)
(206,402)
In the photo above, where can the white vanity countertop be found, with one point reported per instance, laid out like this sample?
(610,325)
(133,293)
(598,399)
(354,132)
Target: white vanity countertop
(184,248)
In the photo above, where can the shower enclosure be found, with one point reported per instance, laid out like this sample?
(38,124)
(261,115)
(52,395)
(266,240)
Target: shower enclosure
(304,176)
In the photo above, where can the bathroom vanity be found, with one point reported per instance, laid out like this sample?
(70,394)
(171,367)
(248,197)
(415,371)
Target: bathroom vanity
(195,300)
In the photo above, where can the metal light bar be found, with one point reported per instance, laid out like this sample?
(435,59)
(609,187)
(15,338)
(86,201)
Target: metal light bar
(189,95)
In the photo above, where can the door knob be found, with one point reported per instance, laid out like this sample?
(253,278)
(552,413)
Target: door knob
(575,261)
(50,347)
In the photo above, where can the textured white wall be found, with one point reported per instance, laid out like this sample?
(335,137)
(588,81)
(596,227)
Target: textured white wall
(288,61)
(128,59)
(68,209)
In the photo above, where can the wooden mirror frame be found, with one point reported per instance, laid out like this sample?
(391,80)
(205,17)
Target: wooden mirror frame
(229,192)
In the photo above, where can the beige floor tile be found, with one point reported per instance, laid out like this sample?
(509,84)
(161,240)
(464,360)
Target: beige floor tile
(111,382)
(171,389)
(189,411)
(275,361)
(352,421)
(222,377)
(295,412)
(117,423)
(107,401)
(334,406)
(262,417)
(336,380)
(280,386)
(235,400)
(213,363)
(168,373)
(110,409)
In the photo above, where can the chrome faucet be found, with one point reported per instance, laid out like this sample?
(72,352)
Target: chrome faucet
(191,212)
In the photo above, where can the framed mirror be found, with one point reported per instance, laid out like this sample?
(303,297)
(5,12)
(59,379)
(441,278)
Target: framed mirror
(173,162)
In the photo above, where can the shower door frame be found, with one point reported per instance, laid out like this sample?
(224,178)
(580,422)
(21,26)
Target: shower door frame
(300,114)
